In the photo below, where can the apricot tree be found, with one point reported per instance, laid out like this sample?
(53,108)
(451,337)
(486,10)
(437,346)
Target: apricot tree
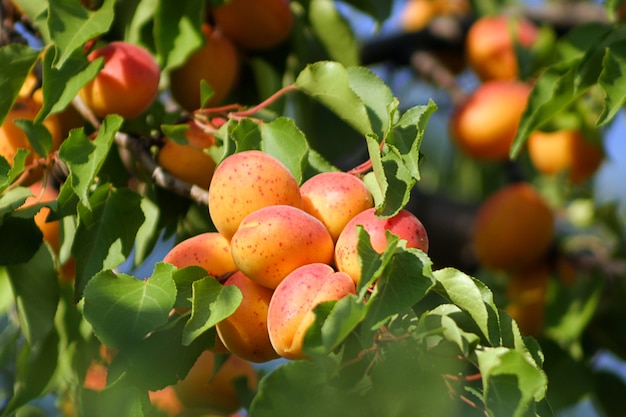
(245,206)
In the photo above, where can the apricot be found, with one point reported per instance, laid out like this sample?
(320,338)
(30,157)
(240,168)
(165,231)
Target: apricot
(244,332)
(564,150)
(208,250)
(255,24)
(12,137)
(490,46)
(245,182)
(405,225)
(273,241)
(96,376)
(513,228)
(417,14)
(335,198)
(127,85)
(166,401)
(526,292)
(189,162)
(204,386)
(50,230)
(291,308)
(485,125)
(217,63)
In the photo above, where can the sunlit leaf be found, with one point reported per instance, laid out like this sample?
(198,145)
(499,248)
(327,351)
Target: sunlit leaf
(177,31)
(16,62)
(334,31)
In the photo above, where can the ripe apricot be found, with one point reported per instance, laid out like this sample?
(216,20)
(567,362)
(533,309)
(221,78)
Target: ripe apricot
(526,292)
(564,151)
(291,308)
(128,83)
(490,46)
(335,198)
(244,332)
(166,401)
(417,14)
(485,125)
(208,250)
(204,386)
(255,24)
(245,182)
(12,137)
(189,162)
(273,241)
(513,228)
(404,224)
(217,63)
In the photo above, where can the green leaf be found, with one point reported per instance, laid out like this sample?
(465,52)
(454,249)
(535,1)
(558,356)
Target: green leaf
(329,83)
(176,133)
(405,281)
(85,157)
(123,309)
(21,239)
(211,303)
(9,173)
(71,25)
(116,399)
(379,10)
(334,31)
(16,62)
(184,279)
(12,200)
(38,135)
(437,325)
(373,264)
(36,365)
(511,383)
(62,84)
(36,289)
(471,296)
(177,31)
(612,82)
(102,241)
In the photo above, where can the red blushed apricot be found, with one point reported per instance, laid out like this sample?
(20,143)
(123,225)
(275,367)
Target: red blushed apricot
(127,84)
(490,46)
(485,125)
(207,387)
(245,182)
(244,332)
(564,151)
(404,224)
(255,24)
(217,63)
(208,250)
(335,198)
(189,162)
(514,228)
(291,308)
(273,241)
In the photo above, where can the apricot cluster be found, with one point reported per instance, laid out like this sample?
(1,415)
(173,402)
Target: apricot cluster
(235,27)
(286,246)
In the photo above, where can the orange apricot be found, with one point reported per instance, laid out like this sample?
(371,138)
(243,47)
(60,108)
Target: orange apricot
(208,250)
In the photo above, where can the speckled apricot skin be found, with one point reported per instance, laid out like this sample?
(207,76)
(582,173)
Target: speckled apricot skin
(245,182)
(335,198)
(404,224)
(291,308)
(209,250)
(273,241)
(244,332)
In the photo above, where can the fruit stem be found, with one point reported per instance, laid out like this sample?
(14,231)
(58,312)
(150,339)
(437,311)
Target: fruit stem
(268,101)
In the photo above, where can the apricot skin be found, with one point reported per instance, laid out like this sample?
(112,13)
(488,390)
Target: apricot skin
(291,308)
(217,63)
(484,126)
(189,162)
(244,332)
(205,387)
(127,84)
(404,224)
(564,151)
(273,241)
(527,291)
(245,182)
(490,47)
(335,198)
(513,228)
(255,24)
(208,250)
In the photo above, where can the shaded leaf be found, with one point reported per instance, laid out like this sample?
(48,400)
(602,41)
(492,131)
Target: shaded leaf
(25,239)
(16,62)
(177,31)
